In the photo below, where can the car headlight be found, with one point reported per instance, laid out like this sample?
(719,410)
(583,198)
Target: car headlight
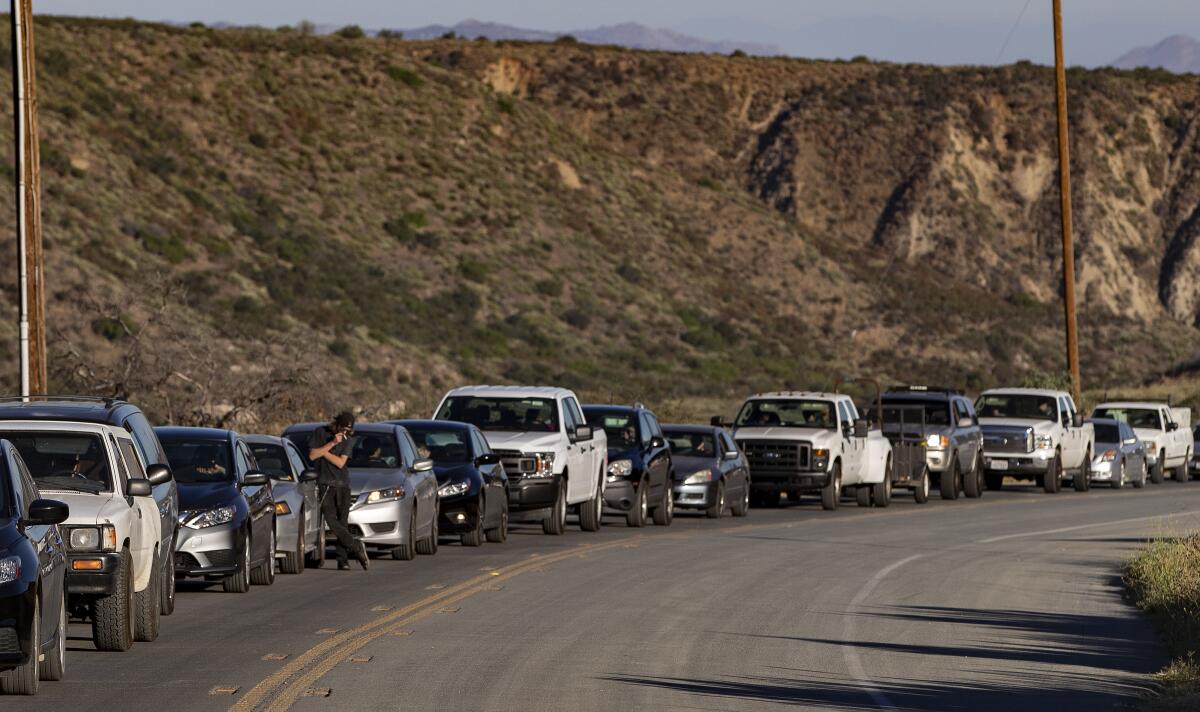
(100,538)
(208,518)
(1044,442)
(619,468)
(451,489)
(385,495)
(282,508)
(699,477)
(545,464)
(937,441)
(1152,446)
(10,569)
(1108,456)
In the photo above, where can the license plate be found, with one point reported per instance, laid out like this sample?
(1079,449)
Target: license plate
(999,465)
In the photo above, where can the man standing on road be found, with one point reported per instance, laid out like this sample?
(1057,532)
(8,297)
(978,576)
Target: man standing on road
(329,450)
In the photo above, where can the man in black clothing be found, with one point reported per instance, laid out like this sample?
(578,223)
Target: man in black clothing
(329,450)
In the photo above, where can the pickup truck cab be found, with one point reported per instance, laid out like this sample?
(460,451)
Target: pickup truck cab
(806,442)
(555,461)
(113,531)
(1166,431)
(1035,434)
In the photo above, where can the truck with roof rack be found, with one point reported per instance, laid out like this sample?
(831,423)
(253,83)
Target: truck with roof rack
(1166,431)
(555,460)
(1035,434)
(800,443)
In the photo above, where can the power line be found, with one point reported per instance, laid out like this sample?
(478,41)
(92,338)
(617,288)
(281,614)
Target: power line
(1012,31)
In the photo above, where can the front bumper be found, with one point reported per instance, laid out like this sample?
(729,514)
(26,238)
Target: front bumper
(774,483)
(1018,464)
(384,524)
(619,495)
(1103,470)
(466,505)
(207,552)
(697,496)
(531,493)
(93,583)
(16,617)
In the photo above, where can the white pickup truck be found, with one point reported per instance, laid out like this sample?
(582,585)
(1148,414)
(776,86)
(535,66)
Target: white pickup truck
(804,442)
(554,460)
(1034,434)
(1166,431)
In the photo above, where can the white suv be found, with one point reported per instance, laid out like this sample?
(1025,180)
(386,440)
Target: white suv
(554,460)
(112,533)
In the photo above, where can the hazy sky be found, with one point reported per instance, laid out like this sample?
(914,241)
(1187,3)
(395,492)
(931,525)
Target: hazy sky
(941,31)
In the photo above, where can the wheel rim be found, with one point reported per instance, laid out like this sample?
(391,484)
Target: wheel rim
(925,484)
(62,636)
(671,503)
(1122,475)
(720,499)
(643,504)
(246,560)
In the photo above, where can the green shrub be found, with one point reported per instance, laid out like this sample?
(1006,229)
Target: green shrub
(258,140)
(505,104)
(404,76)
(549,287)
(351,32)
(473,270)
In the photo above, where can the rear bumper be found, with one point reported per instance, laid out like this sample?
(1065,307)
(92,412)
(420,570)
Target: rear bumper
(93,583)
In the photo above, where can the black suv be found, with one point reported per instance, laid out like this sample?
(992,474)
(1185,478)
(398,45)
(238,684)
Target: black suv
(934,432)
(109,411)
(640,472)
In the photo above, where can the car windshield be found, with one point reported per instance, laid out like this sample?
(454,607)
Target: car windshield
(788,413)
(1136,417)
(691,444)
(199,461)
(510,414)
(374,451)
(64,461)
(909,412)
(1107,433)
(1010,405)
(620,427)
(442,445)
(273,460)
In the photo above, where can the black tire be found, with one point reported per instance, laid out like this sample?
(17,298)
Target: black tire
(921,491)
(264,573)
(717,510)
(239,581)
(1181,473)
(555,523)
(1051,482)
(881,494)
(591,512)
(949,484)
(112,615)
(429,545)
(1119,481)
(636,517)
(1140,482)
(499,534)
(316,559)
(23,680)
(1156,472)
(862,495)
(742,507)
(475,536)
(1082,481)
(664,513)
(54,667)
(831,493)
(407,552)
(293,561)
(973,484)
(166,591)
(994,481)
(145,611)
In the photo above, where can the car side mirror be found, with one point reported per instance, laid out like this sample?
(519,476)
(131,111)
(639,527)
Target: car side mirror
(158,474)
(731,454)
(861,428)
(422,465)
(309,475)
(44,512)
(657,442)
(1077,420)
(717,421)
(1172,427)
(139,488)
(966,422)
(488,458)
(582,432)
(255,478)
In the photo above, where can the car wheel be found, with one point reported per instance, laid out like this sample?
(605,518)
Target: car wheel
(475,536)
(145,611)
(264,573)
(316,559)
(591,512)
(408,551)
(54,667)
(429,545)
(664,513)
(831,493)
(1119,481)
(862,495)
(1140,482)
(1050,481)
(742,507)
(499,535)
(1083,478)
(555,523)
(717,510)
(293,561)
(881,494)
(23,680)
(636,517)
(921,491)
(112,615)
(1156,472)
(949,481)
(973,481)
(166,592)
(1181,472)
(239,581)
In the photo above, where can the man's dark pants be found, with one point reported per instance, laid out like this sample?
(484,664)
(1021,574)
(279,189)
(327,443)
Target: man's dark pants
(335,506)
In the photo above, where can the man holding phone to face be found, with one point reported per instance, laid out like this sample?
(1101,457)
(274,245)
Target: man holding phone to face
(329,451)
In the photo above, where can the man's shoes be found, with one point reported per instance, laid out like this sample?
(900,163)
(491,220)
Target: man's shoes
(343,566)
(361,554)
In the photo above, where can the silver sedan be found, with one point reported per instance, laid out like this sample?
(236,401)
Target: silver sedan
(1120,454)
(299,530)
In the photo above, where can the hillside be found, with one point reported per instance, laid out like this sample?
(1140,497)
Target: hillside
(1177,53)
(280,223)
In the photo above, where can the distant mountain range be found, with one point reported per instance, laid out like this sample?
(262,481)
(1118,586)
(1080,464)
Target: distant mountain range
(1177,53)
(627,34)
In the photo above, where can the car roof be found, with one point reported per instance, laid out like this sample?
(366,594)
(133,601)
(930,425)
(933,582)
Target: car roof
(1024,392)
(64,426)
(1149,405)
(444,424)
(1106,421)
(512,391)
(82,410)
(932,396)
(264,439)
(385,427)
(683,428)
(176,432)
(636,407)
(799,395)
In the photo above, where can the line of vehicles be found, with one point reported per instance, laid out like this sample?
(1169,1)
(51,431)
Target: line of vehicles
(101,513)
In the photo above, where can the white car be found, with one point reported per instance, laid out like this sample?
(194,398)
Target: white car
(1035,434)
(554,460)
(802,442)
(112,534)
(1166,431)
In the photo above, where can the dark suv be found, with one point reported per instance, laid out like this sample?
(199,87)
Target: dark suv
(934,432)
(119,413)
(640,472)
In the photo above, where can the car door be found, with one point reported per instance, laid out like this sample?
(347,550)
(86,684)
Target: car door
(967,436)
(166,495)
(733,470)
(1070,438)
(579,457)
(854,449)
(258,499)
(51,551)
(308,490)
(493,479)
(145,512)
(423,484)
(1172,440)
(656,462)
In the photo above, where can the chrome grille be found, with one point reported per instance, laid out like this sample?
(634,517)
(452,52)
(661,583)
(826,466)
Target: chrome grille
(777,456)
(1014,440)
(517,463)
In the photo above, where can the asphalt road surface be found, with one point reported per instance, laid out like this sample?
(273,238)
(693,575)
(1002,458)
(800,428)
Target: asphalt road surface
(1009,602)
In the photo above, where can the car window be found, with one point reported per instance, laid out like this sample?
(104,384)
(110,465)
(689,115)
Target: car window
(655,428)
(132,463)
(727,442)
(375,451)
(843,414)
(64,460)
(27,490)
(122,470)
(688,443)
(295,459)
(570,421)
(146,441)
(481,446)
(1064,411)
(408,449)
(273,460)
(960,408)
(647,432)
(242,460)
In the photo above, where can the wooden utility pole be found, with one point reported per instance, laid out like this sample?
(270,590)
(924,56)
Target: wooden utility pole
(31,275)
(1064,182)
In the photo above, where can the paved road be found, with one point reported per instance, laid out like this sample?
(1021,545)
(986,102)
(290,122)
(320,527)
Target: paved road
(1010,602)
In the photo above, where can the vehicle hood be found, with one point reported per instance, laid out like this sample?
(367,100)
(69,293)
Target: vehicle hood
(453,472)
(368,479)
(777,433)
(88,508)
(1038,425)
(206,495)
(622,453)
(685,466)
(1149,434)
(9,534)
(525,442)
